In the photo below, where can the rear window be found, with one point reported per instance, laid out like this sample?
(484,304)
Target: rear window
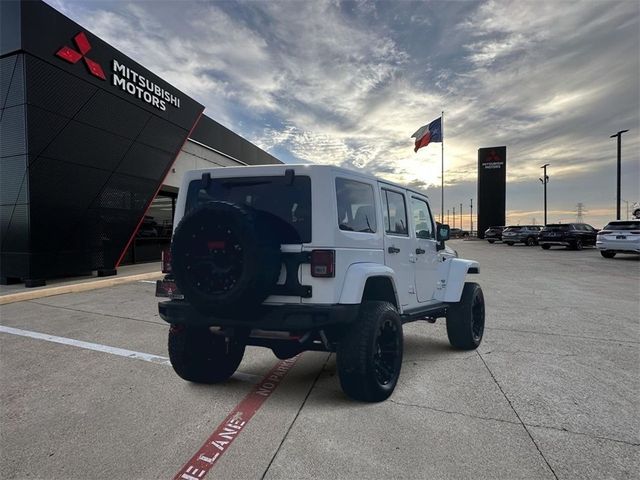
(630,225)
(559,228)
(286,203)
(356,210)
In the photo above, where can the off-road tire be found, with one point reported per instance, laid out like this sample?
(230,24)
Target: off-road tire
(286,352)
(577,245)
(530,242)
(465,319)
(367,371)
(607,253)
(545,246)
(225,259)
(197,355)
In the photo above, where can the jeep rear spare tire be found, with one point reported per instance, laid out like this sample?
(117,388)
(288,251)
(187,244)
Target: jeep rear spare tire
(225,259)
(369,353)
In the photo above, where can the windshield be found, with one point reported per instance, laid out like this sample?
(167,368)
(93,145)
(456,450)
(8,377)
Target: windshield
(630,225)
(513,229)
(286,203)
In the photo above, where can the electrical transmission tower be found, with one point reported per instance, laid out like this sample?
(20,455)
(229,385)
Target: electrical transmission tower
(580,211)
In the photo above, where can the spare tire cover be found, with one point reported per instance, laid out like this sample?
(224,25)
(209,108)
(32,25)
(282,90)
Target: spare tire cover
(224,259)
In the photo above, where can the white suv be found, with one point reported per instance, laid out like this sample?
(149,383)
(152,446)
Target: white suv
(309,257)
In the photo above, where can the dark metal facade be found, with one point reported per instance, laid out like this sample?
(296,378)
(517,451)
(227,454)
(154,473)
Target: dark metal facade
(211,133)
(80,157)
(492,176)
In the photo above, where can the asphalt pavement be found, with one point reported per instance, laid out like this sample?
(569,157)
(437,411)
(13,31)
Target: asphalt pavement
(553,391)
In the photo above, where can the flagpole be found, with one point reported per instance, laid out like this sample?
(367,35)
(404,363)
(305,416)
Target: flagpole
(442,173)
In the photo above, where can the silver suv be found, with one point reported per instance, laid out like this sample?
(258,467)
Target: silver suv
(309,257)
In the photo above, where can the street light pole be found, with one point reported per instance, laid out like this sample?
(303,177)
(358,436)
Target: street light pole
(461,217)
(545,180)
(454,217)
(619,135)
(471,214)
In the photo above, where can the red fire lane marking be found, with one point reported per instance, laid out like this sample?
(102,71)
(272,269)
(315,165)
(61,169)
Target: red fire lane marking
(224,435)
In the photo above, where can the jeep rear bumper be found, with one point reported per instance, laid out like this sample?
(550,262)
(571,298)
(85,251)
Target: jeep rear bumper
(282,317)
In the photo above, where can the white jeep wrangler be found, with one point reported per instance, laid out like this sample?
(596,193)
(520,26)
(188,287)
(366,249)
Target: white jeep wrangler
(309,257)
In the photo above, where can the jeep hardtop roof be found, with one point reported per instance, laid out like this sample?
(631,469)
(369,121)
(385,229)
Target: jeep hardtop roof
(300,168)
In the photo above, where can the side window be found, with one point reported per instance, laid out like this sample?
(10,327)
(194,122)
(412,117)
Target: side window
(421,218)
(395,215)
(356,208)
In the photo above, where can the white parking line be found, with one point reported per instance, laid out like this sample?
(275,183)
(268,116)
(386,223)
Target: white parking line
(121,352)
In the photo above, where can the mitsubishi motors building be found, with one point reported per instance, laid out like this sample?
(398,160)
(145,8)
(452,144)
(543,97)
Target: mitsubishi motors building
(93,147)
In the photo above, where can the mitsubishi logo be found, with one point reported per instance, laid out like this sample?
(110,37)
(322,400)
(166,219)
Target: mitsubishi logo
(73,56)
(493,157)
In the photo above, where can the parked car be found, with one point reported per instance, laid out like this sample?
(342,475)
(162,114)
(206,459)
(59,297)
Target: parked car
(493,234)
(458,233)
(148,228)
(571,235)
(619,236)
(527,234)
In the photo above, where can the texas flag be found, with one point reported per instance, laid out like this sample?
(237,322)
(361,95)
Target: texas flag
(428,133)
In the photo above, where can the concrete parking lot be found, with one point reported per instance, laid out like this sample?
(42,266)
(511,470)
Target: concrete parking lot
(551,393)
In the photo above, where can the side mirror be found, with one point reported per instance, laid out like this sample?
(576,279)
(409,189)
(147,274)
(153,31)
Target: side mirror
(442,235)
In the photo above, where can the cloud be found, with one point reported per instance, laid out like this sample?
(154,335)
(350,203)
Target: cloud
(346,83)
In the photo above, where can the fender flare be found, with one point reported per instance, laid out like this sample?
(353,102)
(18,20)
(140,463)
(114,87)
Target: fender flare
(452,274)
(356,278)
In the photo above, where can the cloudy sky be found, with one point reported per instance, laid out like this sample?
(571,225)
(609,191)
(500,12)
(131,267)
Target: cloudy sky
(347,83)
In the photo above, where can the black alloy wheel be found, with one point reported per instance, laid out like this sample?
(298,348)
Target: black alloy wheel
(386,352)
(577,244)
(215,266)
(531,242)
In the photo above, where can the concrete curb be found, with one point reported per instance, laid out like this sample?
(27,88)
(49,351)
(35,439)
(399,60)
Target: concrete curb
(77,287)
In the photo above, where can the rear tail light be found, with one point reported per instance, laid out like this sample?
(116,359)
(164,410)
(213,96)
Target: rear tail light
(323,263)
(166,261)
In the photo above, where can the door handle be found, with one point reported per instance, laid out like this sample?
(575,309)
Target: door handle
(420,251)
(393,250)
